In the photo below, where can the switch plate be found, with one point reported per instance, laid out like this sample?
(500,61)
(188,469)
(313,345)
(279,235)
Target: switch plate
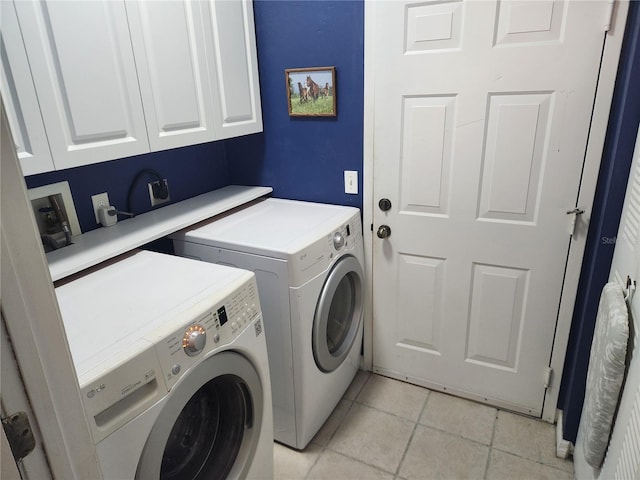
(351,181)
(99,200)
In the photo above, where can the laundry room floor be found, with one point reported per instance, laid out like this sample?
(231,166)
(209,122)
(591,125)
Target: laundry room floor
(390,430)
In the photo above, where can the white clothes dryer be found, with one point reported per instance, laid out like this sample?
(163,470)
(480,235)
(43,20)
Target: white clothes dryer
(173,369)
(308,261)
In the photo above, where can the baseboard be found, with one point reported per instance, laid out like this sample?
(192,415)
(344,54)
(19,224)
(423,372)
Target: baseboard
(564,448)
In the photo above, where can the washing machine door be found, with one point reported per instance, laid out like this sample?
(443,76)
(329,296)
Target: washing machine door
(338,314)
(209,427)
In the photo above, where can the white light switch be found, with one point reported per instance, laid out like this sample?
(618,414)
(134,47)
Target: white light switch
(351,181)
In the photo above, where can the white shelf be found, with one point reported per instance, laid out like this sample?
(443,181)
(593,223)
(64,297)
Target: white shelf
(101,244)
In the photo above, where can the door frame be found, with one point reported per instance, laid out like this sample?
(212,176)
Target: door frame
(595,145)
(35,327)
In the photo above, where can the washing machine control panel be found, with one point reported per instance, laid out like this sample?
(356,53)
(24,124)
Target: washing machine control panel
(214,328)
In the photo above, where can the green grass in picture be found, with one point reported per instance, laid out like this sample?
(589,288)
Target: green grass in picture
(321,106)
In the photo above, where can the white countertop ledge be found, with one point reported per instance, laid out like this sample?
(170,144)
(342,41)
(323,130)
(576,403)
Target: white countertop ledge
(104,243)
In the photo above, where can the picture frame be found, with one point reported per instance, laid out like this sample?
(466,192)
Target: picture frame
(311,92)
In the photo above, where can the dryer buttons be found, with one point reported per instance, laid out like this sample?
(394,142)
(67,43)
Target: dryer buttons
(338,240)
(194,340)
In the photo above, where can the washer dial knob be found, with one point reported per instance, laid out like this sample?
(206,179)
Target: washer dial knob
(338,240)
(194,340)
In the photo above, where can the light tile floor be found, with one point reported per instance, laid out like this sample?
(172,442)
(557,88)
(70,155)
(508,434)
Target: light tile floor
(389,430)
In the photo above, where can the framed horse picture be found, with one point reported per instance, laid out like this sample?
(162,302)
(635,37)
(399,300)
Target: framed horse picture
(311,92)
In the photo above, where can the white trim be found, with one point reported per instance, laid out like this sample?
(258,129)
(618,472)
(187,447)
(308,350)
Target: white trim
(14,399)
(564,448)
(604,95)
(35,326)
(595,146)
(367,181)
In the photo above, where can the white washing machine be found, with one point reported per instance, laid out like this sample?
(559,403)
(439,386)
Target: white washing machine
(172,364)
(308,261)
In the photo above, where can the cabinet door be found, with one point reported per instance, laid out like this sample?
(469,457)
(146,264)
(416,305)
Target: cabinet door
(233,64)
(19,97)
(169,47)
(84,73)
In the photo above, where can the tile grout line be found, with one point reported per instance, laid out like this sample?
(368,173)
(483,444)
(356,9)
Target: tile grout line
(346,455)
(413,431)
(493,437)
(396,476)
(325,447)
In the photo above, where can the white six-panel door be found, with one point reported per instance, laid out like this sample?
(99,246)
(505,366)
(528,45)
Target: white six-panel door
(482,113)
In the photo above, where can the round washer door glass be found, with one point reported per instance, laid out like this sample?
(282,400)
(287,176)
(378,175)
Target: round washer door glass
(338,314)
(209,427)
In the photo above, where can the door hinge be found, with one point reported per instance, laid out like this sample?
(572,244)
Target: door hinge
(608,18)
(548,376)
(19,435)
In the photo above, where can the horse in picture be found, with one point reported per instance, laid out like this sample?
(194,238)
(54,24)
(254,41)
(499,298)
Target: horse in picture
(314,89)
(304,93)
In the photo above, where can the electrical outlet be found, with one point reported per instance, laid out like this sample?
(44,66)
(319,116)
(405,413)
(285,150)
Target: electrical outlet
(99,200)
(351,181)
(157,192)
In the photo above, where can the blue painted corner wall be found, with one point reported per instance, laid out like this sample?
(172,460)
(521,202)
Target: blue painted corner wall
(304,158)
(605,218)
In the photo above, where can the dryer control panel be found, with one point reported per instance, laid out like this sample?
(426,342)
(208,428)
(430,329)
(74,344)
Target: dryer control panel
(318,256)
(214,328)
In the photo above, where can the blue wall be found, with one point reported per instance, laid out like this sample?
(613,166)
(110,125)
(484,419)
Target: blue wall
(304,158)
(605,217)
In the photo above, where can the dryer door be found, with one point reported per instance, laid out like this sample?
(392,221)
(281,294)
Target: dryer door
(210,424)
(338,314)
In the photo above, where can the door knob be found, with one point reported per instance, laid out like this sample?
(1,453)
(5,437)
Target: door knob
(384,231)
(384,204)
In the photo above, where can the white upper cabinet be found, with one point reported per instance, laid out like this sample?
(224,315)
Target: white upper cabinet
(169,46)
(233,62)
(19,96)
(111,79)
(198,70)
(84,73)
